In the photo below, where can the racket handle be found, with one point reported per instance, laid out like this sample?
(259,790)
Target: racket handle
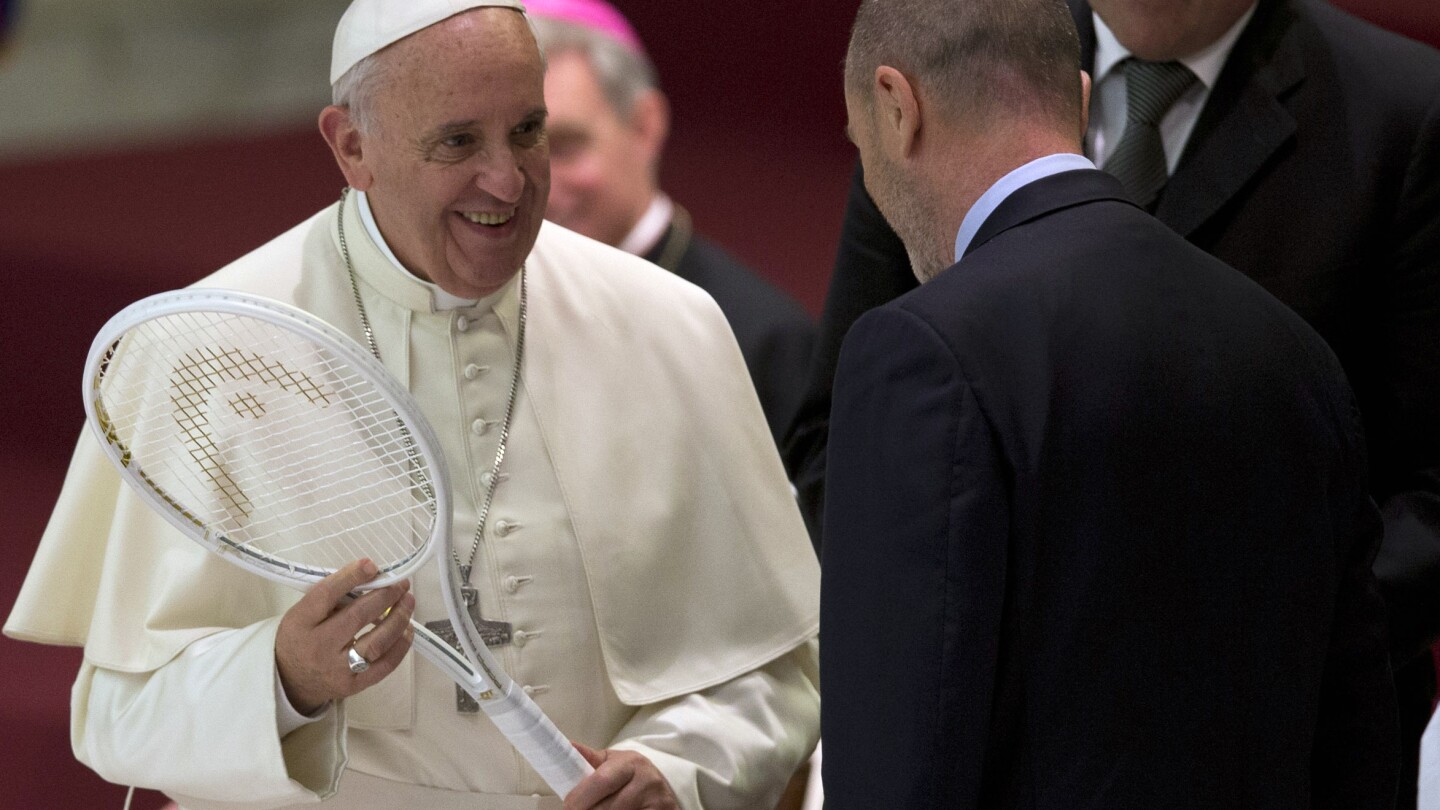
(538,740)
(522,722)
(514,714)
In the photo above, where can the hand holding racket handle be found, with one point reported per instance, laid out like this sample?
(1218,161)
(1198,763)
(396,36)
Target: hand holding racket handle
(517,716)
(538,740)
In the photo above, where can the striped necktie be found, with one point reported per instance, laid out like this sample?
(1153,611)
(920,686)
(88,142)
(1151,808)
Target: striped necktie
(1139,159)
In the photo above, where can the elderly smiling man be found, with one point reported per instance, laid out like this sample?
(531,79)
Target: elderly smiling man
(642,554)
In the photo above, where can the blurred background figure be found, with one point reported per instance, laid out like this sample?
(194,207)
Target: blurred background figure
(608,123)
(7,14)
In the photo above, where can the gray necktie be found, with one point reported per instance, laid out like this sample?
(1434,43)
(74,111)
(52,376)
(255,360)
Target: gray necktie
(1139,159)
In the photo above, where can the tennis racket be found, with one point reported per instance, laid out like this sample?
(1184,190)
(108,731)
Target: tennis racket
(273,439)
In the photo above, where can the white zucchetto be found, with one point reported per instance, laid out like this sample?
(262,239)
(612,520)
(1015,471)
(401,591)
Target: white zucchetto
(367,26)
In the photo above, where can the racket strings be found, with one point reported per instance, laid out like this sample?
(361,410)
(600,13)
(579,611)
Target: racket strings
(268,440)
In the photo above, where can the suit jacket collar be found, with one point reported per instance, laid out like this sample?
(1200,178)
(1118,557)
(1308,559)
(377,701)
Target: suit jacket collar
(656,250)
(1244,123)
(669,252)
(1046,196)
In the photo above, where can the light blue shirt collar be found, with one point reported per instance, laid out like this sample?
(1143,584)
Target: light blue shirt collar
(1009,184)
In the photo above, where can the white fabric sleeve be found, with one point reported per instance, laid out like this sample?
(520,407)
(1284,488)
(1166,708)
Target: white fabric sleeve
(287,717)
(737,744)
(1429,798)
(203,728)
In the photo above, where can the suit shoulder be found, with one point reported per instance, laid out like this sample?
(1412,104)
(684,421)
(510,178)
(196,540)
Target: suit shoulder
(919,319)
(1380,60)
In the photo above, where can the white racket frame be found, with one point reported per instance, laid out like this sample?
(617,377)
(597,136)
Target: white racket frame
(180,302)
(522,722)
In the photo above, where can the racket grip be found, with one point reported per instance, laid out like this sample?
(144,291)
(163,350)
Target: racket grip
(538,740)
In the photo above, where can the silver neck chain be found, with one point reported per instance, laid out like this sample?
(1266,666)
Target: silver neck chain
(509,404)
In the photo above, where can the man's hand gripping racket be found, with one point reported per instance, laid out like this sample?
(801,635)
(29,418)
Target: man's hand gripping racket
(273,439)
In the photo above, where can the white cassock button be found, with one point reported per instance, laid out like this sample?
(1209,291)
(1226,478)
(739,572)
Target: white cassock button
(462,323)
(520,638)
(512,584)
(472,371)
(480,427)
(504,528)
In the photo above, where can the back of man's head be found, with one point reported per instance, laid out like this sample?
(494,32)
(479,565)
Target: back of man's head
(974,61)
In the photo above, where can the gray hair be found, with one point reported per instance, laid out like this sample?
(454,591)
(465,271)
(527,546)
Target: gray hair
(357,87)
(622,73)
(977,57)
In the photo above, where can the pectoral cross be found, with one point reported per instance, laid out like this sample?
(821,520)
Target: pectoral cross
(494,634)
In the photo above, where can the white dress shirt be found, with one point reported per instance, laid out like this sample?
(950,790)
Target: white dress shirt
(650,227)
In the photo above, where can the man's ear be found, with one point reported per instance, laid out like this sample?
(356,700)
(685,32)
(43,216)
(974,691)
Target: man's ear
(650,121)
(897,113)
(347,144)
(1084,105)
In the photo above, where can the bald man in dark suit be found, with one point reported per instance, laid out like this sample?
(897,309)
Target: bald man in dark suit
(1311,164)
(1099,534)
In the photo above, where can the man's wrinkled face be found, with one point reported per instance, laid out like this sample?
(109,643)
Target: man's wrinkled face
(458,157)
(1162,30)
(600,162)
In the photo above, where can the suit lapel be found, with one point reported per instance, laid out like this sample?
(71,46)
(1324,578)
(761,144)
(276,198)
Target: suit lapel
(1045,196)
(1243,123)
(670,251)
(658,249)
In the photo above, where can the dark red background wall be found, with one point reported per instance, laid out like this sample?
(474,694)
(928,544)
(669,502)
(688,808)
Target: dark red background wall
(757,154)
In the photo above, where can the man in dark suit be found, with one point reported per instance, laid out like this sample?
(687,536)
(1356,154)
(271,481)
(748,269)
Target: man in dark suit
(608,123)
(1097,533)
(1312,164)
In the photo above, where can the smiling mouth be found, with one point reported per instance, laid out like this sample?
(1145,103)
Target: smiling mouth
(483,218)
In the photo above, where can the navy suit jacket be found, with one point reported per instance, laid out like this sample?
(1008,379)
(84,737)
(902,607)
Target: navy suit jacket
(1314,168)
(1098,535)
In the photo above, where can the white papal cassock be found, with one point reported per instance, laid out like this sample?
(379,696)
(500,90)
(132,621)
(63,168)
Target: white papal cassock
(643,542)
